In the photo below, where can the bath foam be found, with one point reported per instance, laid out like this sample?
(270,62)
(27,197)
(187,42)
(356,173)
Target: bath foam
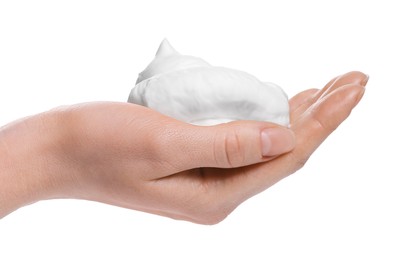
(191,90)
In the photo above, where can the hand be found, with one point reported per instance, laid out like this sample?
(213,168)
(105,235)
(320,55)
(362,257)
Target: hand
(131,156)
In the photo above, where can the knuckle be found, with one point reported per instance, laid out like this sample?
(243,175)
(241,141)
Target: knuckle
(320,122)
(211,220)
(209,207)
(233,150)
(231,153)
(211,214)
(298,161)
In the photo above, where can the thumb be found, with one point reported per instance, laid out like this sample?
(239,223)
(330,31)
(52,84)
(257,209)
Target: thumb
(230,145)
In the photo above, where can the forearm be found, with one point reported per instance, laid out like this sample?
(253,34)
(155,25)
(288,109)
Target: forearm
(30,165)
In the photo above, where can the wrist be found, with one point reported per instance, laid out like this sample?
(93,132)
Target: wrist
(31,161)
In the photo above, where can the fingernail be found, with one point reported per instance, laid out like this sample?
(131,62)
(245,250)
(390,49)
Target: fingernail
(277,141)
(365,80)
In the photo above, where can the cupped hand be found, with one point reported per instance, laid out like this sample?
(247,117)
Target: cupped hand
(131,156)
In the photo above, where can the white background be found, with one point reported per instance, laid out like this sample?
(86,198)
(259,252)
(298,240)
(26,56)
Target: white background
(348,202)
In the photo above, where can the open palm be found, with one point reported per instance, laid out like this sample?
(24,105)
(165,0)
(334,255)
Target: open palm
(134,157)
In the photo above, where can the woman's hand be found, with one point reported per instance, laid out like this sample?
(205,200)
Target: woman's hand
(131,156)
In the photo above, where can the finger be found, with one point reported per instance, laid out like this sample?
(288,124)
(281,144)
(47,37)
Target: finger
(297,100)
(355,77)
(324,117)
(300,100)
(230,145)
(311,130)
(306,103)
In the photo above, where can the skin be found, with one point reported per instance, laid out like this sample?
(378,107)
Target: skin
(131,156)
